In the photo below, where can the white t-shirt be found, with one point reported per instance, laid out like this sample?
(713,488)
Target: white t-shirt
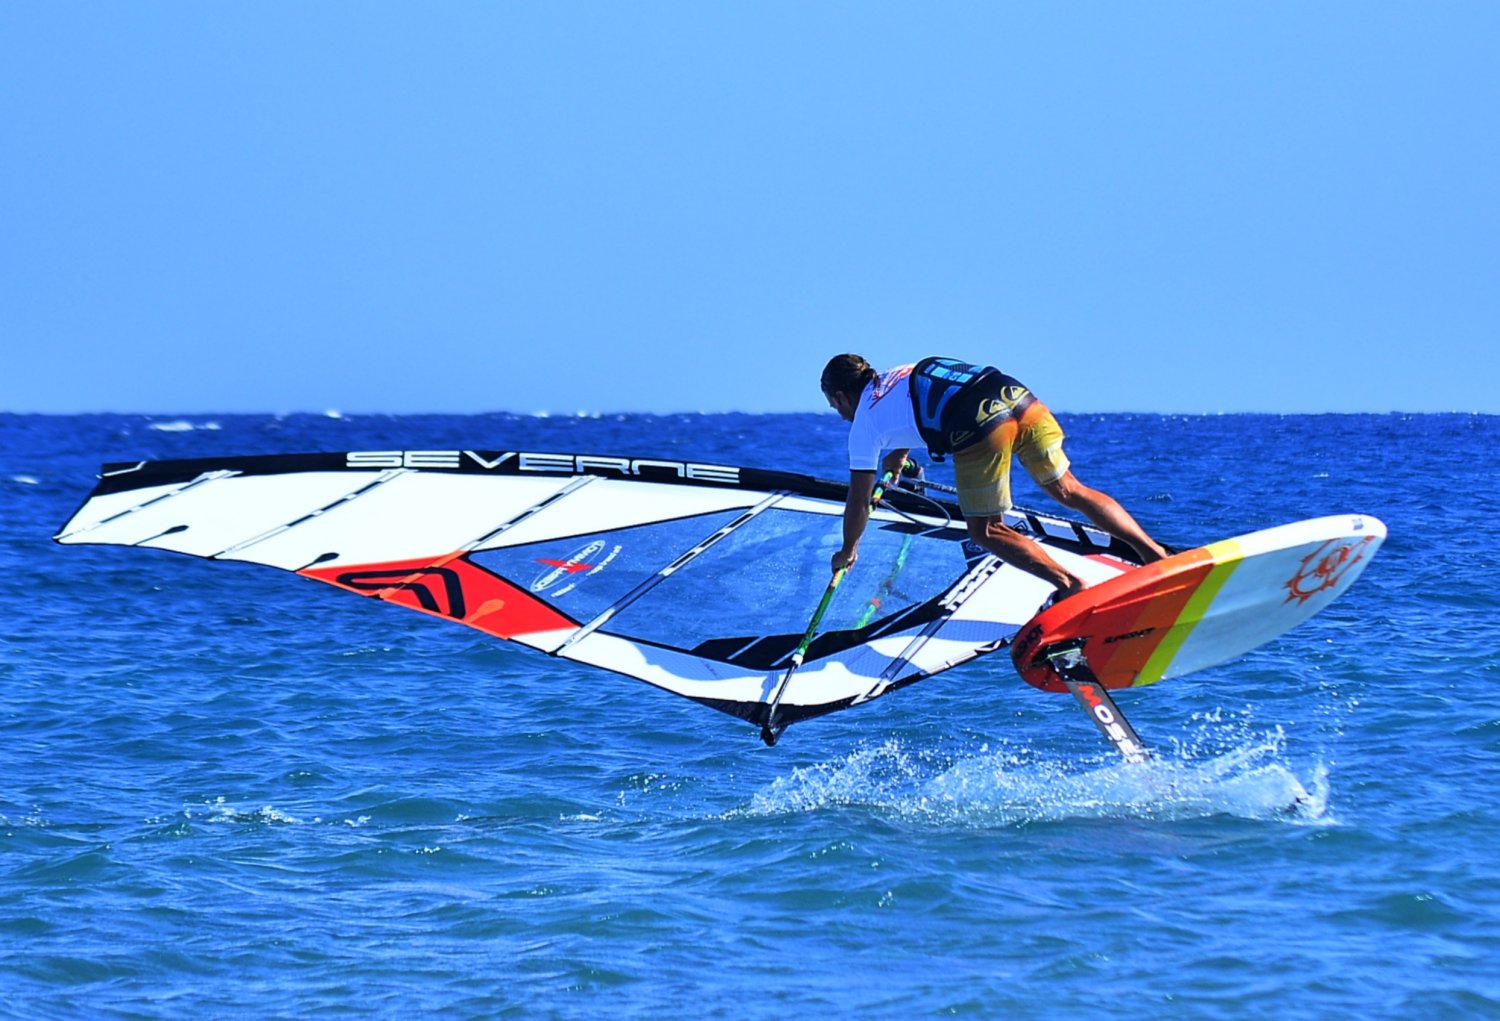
(883,421)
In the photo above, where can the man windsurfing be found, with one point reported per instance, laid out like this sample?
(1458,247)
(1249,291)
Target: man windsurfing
(979,416)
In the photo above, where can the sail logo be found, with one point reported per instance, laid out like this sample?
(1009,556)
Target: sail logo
(579,562)
(424,584)
(510,462)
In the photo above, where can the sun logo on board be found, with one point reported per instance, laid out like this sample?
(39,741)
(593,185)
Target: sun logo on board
(1324,567)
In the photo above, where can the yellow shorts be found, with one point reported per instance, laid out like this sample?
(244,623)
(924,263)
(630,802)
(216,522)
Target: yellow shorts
(982,470)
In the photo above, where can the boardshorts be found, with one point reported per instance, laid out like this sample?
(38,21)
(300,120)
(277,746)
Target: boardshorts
(1026,429)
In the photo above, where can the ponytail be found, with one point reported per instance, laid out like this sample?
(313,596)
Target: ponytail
(847,374)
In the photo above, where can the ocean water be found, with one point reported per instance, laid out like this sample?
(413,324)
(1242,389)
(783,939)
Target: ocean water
(229,792)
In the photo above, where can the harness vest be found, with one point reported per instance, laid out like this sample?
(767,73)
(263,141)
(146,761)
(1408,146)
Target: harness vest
(935,382)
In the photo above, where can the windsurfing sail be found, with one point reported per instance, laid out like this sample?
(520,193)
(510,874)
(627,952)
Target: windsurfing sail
(693,577)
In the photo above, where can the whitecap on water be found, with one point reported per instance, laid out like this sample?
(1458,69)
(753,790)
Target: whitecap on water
(182,426)
(220,811)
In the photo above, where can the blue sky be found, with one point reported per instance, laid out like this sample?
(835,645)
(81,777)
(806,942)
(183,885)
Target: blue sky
(456,207)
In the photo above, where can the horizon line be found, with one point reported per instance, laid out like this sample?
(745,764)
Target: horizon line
(335,413)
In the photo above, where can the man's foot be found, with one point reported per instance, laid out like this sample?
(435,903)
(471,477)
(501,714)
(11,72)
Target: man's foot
(1074,586)
(1149,554)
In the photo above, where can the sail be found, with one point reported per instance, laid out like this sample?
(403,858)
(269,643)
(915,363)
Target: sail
(695,578)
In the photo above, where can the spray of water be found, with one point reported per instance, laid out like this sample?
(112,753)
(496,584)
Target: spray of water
(991,786)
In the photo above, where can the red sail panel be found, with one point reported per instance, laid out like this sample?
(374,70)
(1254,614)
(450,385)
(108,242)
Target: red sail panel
(449,586)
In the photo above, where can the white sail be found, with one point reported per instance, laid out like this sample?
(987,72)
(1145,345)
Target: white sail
(696,578)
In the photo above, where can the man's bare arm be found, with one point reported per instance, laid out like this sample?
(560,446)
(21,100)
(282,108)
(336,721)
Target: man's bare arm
(856,516)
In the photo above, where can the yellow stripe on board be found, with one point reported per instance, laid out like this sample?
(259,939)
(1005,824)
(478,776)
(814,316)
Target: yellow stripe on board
(1226,557)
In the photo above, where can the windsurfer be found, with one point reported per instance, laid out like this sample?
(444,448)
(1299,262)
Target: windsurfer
(981,416)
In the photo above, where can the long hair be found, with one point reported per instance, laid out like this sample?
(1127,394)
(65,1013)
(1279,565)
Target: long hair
(847,374)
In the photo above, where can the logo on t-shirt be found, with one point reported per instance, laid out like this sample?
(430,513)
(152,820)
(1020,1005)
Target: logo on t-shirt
(886,383)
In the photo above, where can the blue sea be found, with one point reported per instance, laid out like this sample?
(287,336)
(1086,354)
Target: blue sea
(226,791)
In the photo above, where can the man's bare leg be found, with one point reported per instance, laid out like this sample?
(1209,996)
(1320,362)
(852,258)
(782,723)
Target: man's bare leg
(1104,511)
(1005,542)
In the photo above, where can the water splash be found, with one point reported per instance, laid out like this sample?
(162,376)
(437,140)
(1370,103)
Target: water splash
(880,776)
(1014,786)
